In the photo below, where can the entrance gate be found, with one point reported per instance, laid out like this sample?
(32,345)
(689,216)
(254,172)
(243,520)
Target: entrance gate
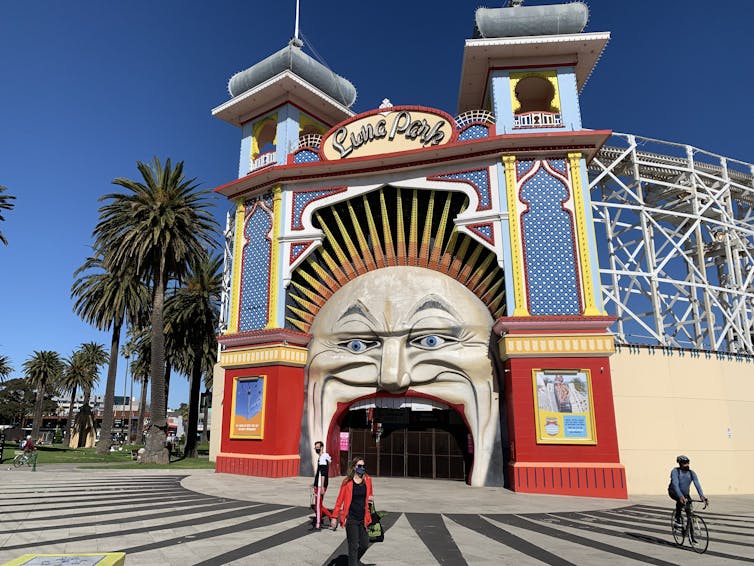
(404,443)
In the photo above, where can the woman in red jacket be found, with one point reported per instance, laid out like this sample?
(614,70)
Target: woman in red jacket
(352,508)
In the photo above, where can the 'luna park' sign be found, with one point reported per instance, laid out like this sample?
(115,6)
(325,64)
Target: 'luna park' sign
(388,132)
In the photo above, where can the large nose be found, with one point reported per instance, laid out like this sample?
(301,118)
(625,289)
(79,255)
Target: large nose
(394,376)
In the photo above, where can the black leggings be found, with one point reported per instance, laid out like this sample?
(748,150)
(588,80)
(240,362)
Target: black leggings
(358,541)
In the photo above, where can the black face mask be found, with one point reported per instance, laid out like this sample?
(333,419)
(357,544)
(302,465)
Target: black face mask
(318,450)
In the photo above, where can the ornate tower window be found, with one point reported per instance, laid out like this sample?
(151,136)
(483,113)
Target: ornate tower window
(263,143)
(536,101)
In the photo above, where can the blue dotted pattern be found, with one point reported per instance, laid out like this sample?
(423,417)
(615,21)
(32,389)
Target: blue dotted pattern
(484,230)
(523,166)
(297,250)
(256,270)
(548,243)
(474,132)
(479,179)
(301,200)
(306,156)
(559,165)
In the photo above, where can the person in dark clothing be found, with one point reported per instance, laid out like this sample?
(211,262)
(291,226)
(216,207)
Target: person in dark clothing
(321,475)
(323,464)
(352,509)
(681,479)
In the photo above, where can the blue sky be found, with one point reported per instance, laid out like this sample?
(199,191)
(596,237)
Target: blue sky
(87,88)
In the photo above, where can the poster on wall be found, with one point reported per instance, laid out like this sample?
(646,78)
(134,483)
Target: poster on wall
(247,410)
(563,406)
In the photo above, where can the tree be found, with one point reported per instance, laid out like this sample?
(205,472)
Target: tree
(159,225)
(43,370)
(5,368)
(94,356)
(193,313)
(107,294)
(75,375)
(16,402)
(5,204)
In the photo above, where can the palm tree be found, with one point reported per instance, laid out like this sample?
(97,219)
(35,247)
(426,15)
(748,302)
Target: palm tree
(74,376)
(159,225)
(5,204)
(81,370)
(43,370)
(127,350)
(95,357)
(5,368)
(193,313)
(106,296)
(140,372)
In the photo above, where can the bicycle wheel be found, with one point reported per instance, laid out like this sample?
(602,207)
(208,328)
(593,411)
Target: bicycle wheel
(679,533)
(698,535)
(19,461)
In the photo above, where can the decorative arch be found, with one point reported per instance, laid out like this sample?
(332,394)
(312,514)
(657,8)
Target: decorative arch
(389,227)
(264,132)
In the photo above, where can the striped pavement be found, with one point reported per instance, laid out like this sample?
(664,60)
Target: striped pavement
(156,519)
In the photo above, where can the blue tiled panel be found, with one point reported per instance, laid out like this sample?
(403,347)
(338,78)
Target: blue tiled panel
(306,156)
(474,132)
(296,249)
(301,199)
(480,179)
(485,230)
(559,165)
(548,244)
(523,166)
(256,271)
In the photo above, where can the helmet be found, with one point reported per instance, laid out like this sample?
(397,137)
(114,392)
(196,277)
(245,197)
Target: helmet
(682,459)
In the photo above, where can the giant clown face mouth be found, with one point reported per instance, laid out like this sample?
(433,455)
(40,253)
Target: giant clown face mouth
(404,332)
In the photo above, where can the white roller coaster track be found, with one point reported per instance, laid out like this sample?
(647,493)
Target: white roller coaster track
(675,233)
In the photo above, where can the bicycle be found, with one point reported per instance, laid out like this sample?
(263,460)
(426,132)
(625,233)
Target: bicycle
(24,458)
(692,528)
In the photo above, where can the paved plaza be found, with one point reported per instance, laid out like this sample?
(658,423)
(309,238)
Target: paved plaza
(187,517)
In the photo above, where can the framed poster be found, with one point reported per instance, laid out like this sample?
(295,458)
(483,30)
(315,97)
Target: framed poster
(563,406)
(247,409)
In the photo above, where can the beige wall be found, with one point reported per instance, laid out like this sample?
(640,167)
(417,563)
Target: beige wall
(669,403)
(218,388)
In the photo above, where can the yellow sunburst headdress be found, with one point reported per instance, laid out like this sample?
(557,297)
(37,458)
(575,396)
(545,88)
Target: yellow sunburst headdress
(387,228)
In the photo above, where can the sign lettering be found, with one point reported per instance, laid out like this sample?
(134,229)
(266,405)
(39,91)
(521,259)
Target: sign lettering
(389,132)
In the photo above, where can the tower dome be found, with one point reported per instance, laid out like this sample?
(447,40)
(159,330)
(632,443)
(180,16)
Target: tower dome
(292,58)
(520,21)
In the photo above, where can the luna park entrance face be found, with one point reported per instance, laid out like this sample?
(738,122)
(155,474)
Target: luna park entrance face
(403,443)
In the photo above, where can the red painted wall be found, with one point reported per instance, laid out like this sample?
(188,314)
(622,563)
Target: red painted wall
(519,393)
(283,410)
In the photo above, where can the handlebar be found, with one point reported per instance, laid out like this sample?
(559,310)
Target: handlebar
(705,501)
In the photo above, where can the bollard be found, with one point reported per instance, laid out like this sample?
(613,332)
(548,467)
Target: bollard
(34,462)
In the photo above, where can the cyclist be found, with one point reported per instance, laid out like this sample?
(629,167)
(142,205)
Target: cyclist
(680,485)
(29,446)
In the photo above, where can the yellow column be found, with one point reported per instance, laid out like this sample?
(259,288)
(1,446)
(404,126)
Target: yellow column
(574,162)
(277,213)
(238,242)
(519,286)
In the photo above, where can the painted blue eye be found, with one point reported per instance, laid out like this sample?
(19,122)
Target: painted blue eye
(429,342)
(357,346)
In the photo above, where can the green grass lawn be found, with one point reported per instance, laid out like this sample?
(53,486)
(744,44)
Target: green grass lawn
(60,454)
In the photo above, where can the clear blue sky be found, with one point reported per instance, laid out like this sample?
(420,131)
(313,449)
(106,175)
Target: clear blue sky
(87,88)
